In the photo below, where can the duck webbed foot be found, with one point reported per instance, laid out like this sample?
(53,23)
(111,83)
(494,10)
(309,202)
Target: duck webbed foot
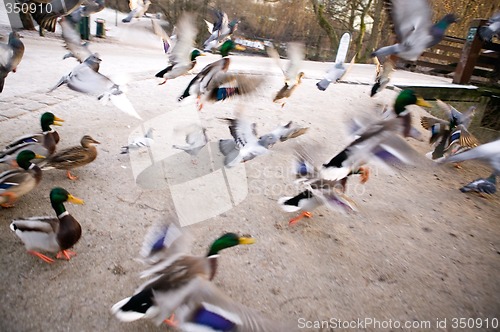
(302,215)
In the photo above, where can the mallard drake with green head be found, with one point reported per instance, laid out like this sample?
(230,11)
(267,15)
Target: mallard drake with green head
(43,143)
(318,190)
(20,181)
(189,295)
(183,56)
(214,83)
(73,157)
(49,234)
(228,46)
(406,98)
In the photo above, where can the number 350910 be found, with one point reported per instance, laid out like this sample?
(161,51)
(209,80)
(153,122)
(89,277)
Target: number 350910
(27,8)
(474,323)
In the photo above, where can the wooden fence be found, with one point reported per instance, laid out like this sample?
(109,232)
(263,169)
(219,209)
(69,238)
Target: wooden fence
(467,60)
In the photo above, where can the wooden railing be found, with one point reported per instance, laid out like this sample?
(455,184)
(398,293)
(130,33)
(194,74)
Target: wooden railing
(466,59)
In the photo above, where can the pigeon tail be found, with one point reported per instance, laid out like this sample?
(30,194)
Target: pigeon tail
(382,52)
(323,84)
(486,34)
(226,146)
(62,81)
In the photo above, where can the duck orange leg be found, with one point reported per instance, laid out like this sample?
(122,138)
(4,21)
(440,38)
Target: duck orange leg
(11,199)
(365,174)
(65,254)
(171,321)
(302,215)
(71,176)
(44,258)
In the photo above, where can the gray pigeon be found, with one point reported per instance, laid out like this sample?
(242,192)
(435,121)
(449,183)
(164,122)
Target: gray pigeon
(245,145)
(137,9)
(87,8)
(220,30)
(282,133)
(414,29)
(10,56)
(489,152)
(482,186)
(335,73)
(196,139)
(139,142)
(492,28)
(83,78)
(78,50)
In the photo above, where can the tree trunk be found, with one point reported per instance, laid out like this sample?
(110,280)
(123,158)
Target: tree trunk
(375,34)
(319,10)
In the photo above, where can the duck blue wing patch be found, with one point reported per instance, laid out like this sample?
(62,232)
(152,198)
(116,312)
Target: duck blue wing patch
(7,185)
(207,318)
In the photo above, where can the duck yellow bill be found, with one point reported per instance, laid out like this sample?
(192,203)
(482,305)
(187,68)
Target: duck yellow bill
(39,156)
(75,200)
(422,102)
(246,240)
(240,48)
(57,121)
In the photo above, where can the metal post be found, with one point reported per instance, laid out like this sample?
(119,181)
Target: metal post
(470,53)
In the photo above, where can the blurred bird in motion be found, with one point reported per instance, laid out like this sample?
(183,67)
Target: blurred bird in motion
(139,142)
(183,55)
(196,139)
(491,29)
(486,186)
(414,29)
(138,8)
(292,73)
(450,137)
(219,31)
(11,55)
(213,83)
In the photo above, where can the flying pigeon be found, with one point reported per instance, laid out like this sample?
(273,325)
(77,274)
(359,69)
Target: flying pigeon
(139,142)
(220,30)
(87,8)
(245,144)
(489,152)
(283,133)
(137,9)
(196,139)
(414,29)
(491,29)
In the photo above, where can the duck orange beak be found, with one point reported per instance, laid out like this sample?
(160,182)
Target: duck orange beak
(57,121)
(75,200)
(422,102)
(246,240)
